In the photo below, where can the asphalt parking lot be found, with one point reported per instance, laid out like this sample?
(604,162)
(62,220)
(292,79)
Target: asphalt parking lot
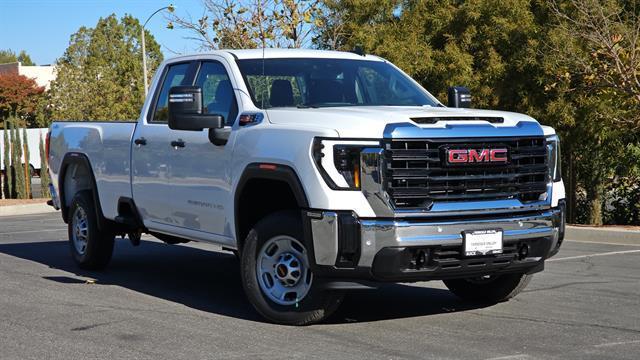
(186,301)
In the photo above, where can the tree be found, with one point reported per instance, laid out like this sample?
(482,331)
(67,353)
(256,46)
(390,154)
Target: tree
(26,169)
(490,46)
(16,161)
(251,24)
(8,178)
(8,56)
(44,171)
(19,96)
(593,82)
(99,77)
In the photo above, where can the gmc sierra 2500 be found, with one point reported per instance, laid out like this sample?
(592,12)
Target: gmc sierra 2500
(324,171)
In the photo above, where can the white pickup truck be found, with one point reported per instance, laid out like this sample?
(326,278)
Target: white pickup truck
(324,172)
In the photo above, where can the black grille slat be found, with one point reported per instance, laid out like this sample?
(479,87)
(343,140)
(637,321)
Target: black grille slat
(435,119)
(416,174)
(408,174)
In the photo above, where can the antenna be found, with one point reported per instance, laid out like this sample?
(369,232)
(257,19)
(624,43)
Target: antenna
(262,39)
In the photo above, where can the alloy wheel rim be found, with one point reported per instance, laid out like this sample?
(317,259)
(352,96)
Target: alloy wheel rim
(80,230)
(283,270)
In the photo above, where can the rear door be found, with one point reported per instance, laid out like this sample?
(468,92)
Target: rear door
(152,154)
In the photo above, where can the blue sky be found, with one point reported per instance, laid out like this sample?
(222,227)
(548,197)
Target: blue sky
(43,27)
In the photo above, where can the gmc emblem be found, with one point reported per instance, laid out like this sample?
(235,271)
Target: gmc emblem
(473,156)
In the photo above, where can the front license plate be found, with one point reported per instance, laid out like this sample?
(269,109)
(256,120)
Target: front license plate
(482,242)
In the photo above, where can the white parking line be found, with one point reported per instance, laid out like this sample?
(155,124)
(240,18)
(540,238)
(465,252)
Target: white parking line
(603,243)
(597,254)
(618,343)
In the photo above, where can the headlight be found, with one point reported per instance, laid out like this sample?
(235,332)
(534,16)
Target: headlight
(553,158)
(339,161)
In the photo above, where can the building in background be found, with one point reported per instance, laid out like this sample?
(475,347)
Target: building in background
(42,74)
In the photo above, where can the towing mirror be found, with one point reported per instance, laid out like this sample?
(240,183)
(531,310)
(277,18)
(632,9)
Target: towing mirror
(459,97)
(186,112)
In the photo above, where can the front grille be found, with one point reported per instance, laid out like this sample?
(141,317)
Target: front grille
(417,175)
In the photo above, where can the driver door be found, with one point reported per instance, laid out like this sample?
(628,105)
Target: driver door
(200,176)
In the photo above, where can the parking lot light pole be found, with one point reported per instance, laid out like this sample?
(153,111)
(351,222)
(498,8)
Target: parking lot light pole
(170,8)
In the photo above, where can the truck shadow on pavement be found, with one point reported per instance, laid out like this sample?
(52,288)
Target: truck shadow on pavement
(210,281)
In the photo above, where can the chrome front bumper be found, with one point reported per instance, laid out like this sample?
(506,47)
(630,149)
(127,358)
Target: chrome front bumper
(374,235)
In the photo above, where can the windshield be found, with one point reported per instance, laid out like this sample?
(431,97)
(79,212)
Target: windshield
(329,82)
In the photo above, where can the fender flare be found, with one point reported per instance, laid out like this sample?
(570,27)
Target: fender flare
(77,158)
(269,171)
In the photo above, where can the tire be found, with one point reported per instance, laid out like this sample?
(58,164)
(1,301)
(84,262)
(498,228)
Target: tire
(283,230)
(492,290)
(90,248)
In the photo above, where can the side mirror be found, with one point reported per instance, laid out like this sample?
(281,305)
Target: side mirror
(459,97)
(186,112)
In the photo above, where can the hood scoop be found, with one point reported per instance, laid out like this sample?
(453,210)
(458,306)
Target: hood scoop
(435,119)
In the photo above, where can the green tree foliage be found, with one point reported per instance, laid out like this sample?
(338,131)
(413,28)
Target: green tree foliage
(572,64)
(44,171)
(8,56)
(16,161)
(489,45)
(7,187)
(593,71)
(28,191)
(99,77)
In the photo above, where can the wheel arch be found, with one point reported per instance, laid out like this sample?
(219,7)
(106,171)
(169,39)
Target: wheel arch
(75,163)
(281,180)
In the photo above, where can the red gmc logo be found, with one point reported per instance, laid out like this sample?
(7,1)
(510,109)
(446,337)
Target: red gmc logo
(472,156)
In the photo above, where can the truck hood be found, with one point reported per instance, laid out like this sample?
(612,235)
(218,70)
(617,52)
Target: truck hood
(396,121)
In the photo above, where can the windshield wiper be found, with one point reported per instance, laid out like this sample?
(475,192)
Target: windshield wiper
(307,106)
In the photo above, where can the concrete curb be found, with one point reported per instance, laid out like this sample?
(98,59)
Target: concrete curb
(603,235)
(25,209)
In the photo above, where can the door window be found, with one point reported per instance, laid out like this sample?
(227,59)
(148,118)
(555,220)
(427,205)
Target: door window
(175,76)
(217,91)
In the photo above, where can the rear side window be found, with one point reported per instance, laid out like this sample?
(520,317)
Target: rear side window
(175,76)
(217,91)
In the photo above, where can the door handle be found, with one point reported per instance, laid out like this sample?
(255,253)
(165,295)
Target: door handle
(177,143)
(140,141)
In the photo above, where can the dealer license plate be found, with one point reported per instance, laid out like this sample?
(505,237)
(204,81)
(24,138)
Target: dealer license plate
(482,242)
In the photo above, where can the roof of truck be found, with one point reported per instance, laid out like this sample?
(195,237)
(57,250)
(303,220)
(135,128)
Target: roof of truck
(297,53)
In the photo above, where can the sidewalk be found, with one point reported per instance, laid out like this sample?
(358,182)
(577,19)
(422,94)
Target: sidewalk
(38,206)
(605,234)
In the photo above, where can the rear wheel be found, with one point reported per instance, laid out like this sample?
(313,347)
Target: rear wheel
(490,288)
(276,274)
(90,248)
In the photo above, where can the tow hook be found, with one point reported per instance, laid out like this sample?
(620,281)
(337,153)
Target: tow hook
(523,251)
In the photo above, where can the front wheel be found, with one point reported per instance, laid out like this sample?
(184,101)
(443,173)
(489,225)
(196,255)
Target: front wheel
(489,289)
(276,275)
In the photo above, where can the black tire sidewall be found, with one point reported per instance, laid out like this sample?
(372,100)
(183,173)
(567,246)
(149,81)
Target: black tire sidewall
(316,305)
(99,245)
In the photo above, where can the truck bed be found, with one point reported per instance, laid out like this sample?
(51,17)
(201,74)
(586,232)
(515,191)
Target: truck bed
(107,145)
